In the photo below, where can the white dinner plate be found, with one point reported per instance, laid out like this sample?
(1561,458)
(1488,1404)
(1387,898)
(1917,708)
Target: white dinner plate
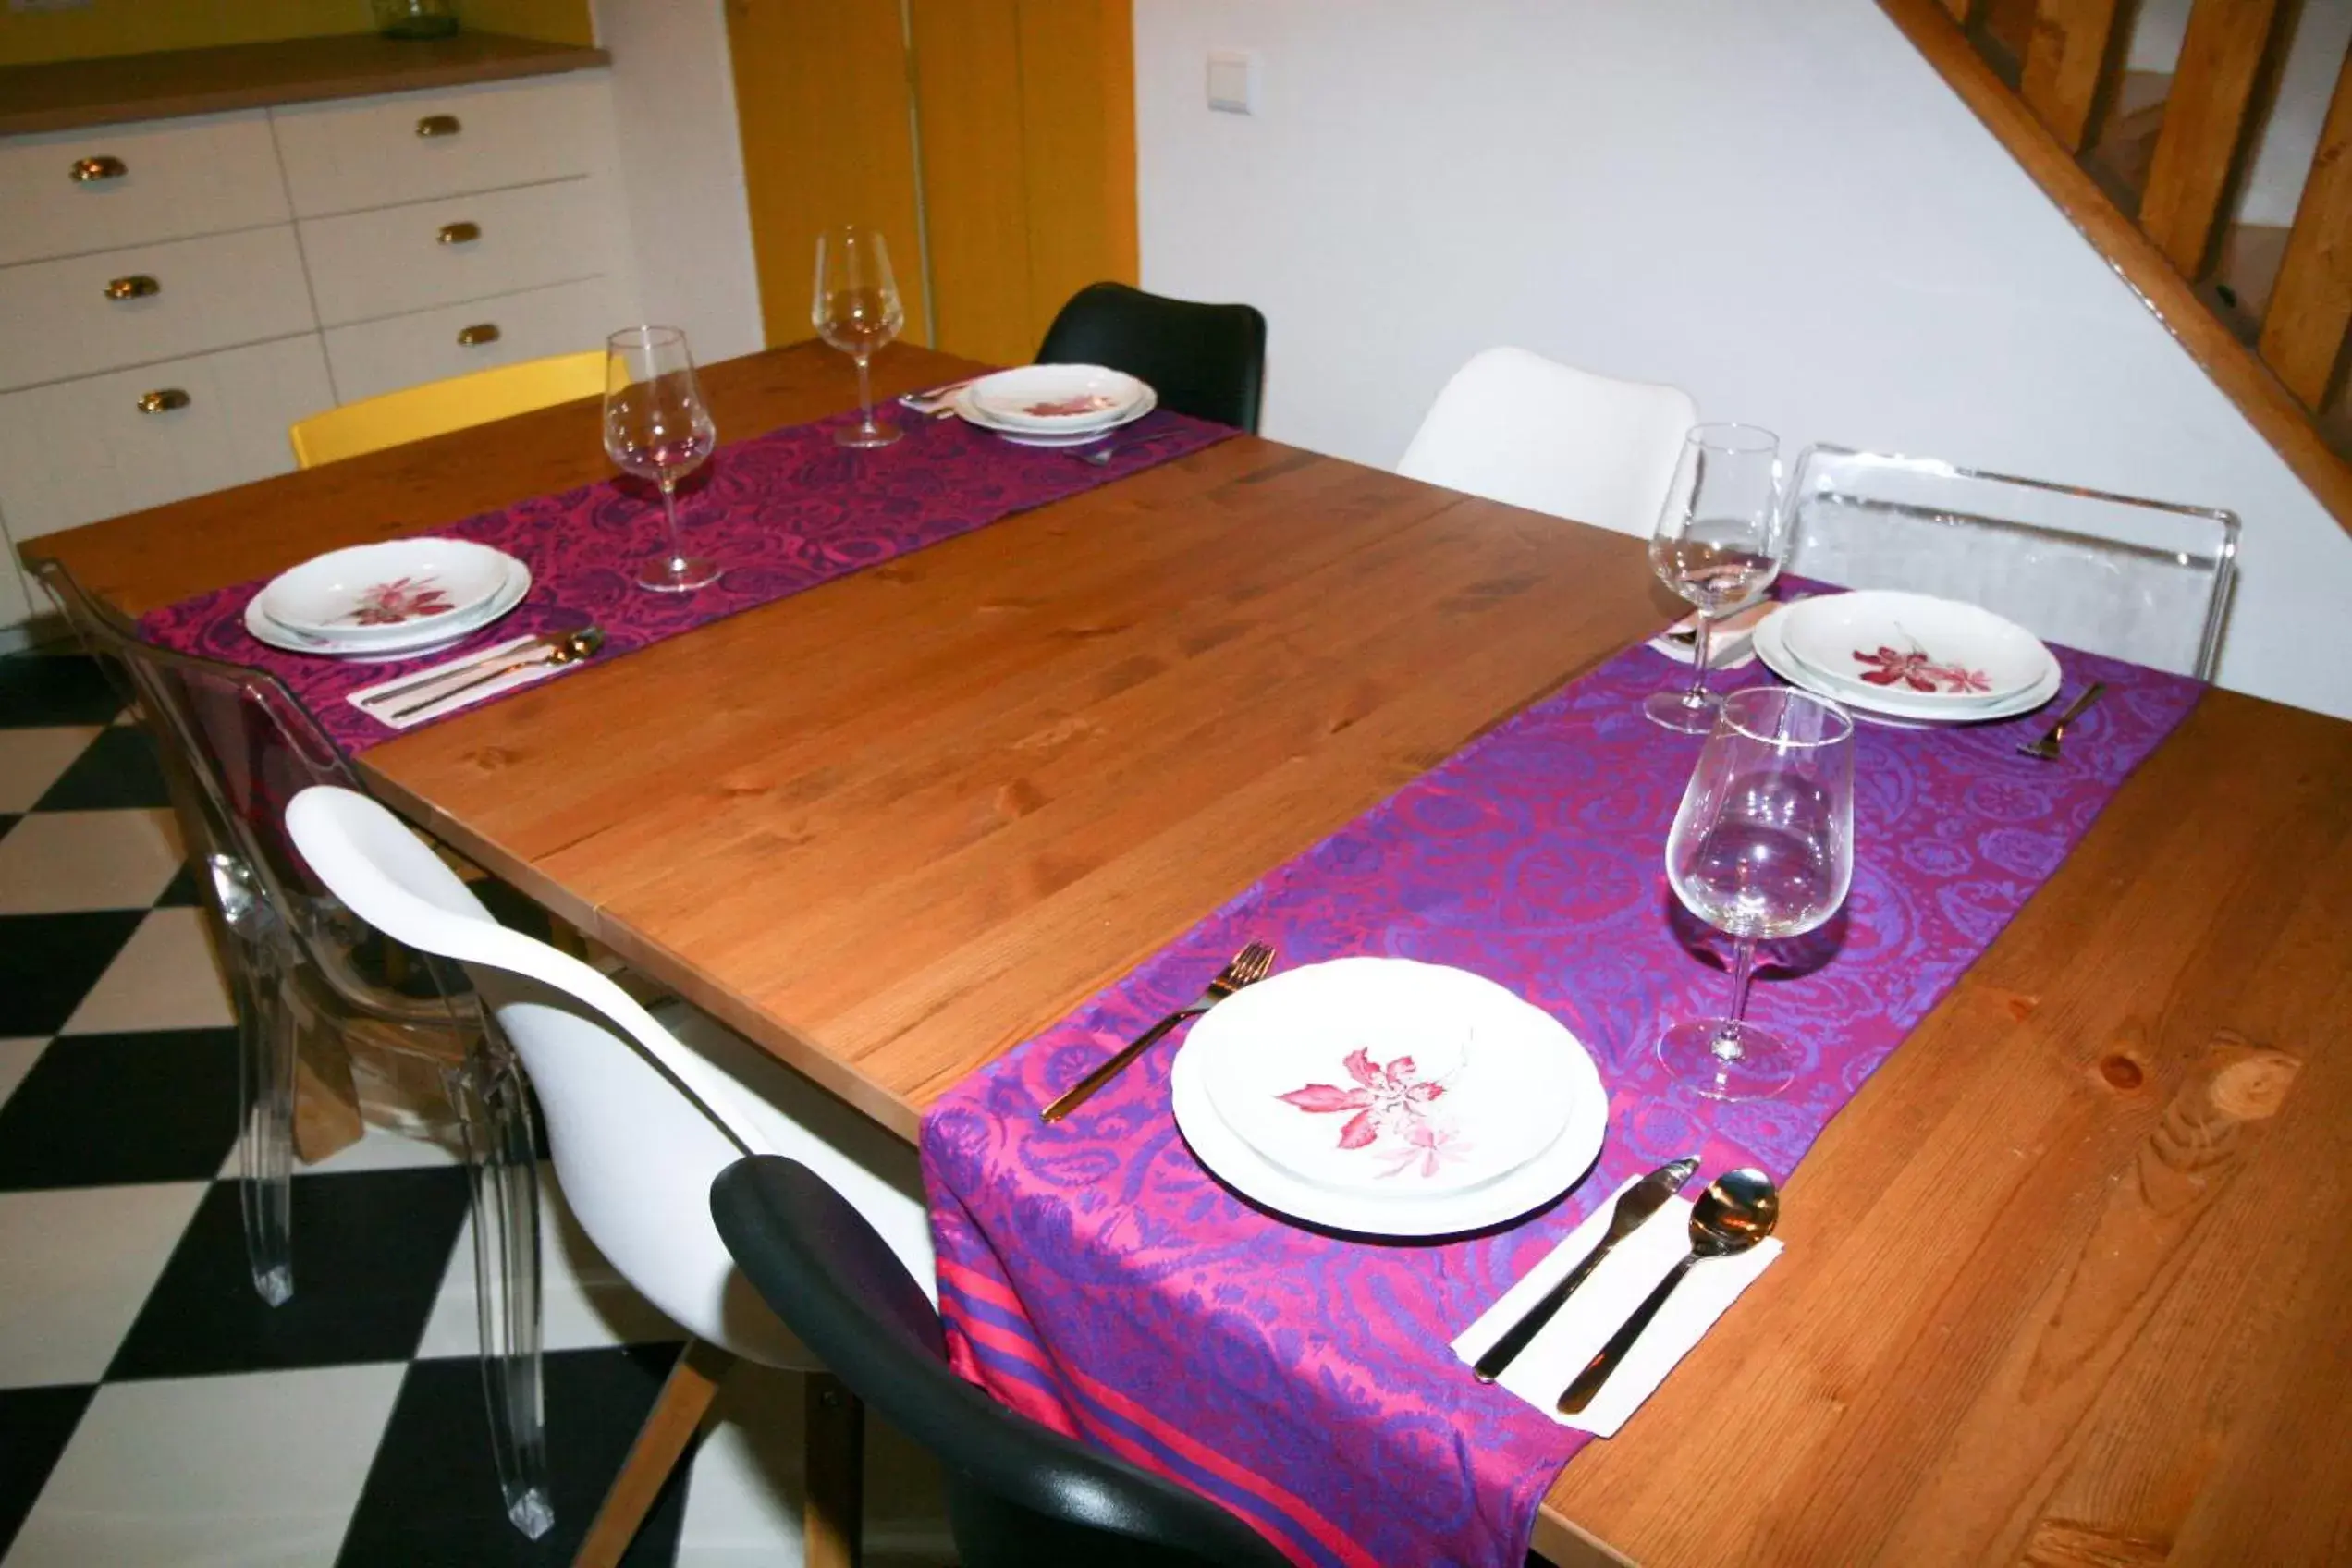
(1929,652)
(1382,1075)
(1553,1170)
(386,593)
(1870,701)
(1057,399)
(425,637)
(971,415)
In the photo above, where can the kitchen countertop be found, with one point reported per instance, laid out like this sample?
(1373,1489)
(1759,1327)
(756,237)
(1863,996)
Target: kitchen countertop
(113,90)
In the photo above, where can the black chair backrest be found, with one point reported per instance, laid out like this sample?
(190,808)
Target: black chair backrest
(1018,1493)
(1206,361)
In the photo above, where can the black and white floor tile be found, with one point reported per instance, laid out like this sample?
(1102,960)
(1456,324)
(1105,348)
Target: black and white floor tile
(153,1410)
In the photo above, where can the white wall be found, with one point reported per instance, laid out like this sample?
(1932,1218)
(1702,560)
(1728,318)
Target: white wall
(1775,204)
(681,164)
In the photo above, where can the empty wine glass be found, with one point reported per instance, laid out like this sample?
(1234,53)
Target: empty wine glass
(656,427)
(1762,848)
(857,310)
(1719,543)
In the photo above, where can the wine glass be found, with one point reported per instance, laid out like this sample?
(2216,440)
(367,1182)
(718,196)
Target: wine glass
(857,310)
(656,427)
(1762,847)
(1719,543)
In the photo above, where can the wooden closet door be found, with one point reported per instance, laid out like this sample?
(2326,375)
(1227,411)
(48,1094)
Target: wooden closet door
(821,95)
(1027,110)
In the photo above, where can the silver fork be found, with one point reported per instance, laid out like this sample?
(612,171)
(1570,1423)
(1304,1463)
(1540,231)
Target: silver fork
(2046,749)
(1101,457)
(1249,966)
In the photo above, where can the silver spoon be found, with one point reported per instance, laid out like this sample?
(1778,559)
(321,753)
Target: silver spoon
(581,645)
(1738,1210)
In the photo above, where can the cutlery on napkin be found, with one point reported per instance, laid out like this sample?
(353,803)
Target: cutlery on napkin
(1729,645)
(1634,1207)
(936,401)
(409,700)
(1609,1295)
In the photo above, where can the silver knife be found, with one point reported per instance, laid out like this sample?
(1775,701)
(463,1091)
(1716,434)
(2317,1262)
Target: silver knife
(1636,1204)
(463,666)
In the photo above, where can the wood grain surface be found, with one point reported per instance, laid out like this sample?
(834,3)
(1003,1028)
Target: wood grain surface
(2063,1284)
(62,95)
(892,827)
(2312,305)
(2259,395)
(2209,120)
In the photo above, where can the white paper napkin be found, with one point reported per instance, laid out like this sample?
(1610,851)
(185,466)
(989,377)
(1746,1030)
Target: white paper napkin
(1731,646)
(1603,1301)
(373,702)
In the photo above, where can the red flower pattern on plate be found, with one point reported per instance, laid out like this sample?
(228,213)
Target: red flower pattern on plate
(1085,403)
(1392,1105)
(403,598)
(1915,669)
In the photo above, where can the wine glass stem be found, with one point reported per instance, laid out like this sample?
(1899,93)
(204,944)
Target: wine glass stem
(1697,697)
(1727,1045)
(669,510)
(866,394)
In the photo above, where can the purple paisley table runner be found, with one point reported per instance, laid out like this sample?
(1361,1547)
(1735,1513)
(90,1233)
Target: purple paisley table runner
(784,511)
(1095,1277)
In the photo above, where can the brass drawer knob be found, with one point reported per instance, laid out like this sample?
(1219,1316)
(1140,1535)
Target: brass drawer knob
(459,233)
(139,285)
(87,169)
(438,124)
(478,334)
(163,402)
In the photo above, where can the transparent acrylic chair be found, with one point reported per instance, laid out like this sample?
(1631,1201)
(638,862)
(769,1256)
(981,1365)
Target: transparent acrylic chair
(235,746)
(643,1110)
(2132,579)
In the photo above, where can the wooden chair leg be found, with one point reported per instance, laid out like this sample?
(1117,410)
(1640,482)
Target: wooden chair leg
(677,1416)
(833,1518)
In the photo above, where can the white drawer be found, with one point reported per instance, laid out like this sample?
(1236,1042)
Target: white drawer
(200,176)
(211,293)
(383,356)
(82,450)
(358,152)
(392,260)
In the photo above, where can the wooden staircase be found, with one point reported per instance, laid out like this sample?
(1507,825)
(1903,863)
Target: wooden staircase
(2148,166)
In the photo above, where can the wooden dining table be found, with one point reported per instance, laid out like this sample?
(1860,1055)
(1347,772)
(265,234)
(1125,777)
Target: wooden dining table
(2066,1282)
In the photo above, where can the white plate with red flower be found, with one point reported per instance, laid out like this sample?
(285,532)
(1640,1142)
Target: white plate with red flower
(1897,700)
(387,593)
(1056,399)
(407,638)
(1388,1097)
(1923,649)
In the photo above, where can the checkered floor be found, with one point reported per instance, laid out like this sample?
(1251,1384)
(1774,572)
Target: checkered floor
(153,1410)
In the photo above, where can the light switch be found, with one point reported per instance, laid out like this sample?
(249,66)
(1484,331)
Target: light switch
(1233,81)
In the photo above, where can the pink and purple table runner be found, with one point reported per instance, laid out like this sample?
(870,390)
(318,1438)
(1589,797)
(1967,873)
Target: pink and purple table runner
(784,511)
(1093,1276)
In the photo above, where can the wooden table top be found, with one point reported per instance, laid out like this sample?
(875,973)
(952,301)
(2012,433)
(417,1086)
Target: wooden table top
(2053,1291)
(119,89)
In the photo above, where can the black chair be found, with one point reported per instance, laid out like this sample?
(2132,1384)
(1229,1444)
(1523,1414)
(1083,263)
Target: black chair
(1019,1495)
(1206,361)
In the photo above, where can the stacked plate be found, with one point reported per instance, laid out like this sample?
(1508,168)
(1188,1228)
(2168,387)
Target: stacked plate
(1055,405)
(1909,656)
(376,603)
(1388,1098)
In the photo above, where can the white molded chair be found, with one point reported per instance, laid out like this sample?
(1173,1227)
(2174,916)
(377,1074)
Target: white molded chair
(1515,427)
(640,1125)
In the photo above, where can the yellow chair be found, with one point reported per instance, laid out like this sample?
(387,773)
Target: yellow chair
(439,407)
